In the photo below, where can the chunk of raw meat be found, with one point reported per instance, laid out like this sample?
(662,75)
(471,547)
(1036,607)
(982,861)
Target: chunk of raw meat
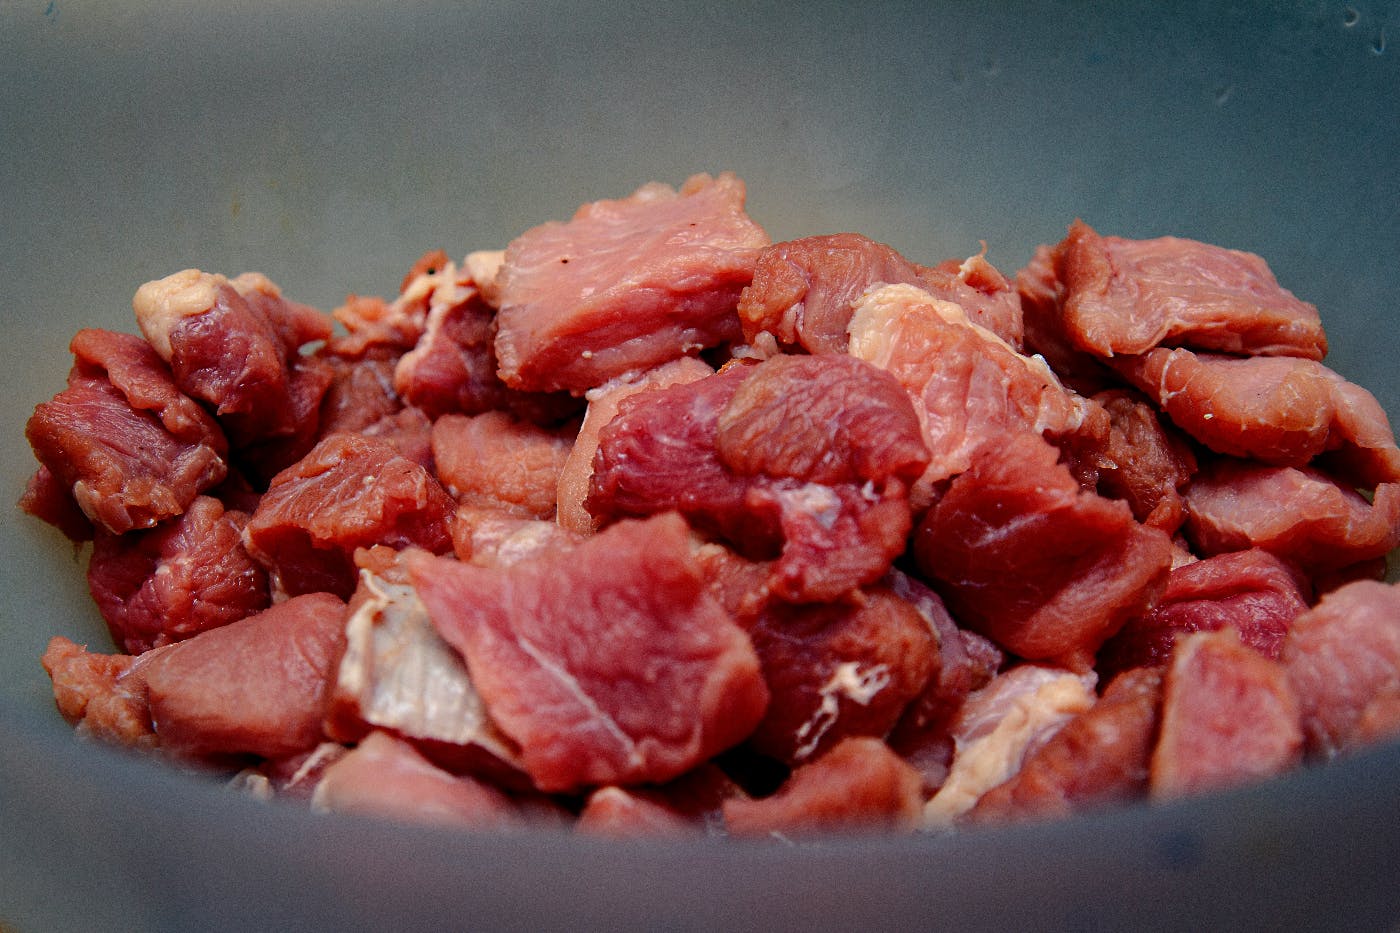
(361,393)
(1228,717)
(130,448)
(1278,410)
(1251,591)
(292,776)
(387,777)
(102,695)
(350,491)
(1145,462)
(608,663)
(838,669)
(603,401)
(398,674)
(625,285)
(859,786)
(233,344)
(256,686)
(982,291)
(1128,296)
(999,726)
(1343,662)
(1042,295)
(1027,558)
(616,812)
(411,434)
(1300,514)
(48,500)
(177,579)
(493,460)
(970,387)
(493,538)
(1100,757)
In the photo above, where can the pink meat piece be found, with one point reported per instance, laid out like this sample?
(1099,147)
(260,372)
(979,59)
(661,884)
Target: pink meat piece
(1251,591)
(102,695)
(982,291)
(1099,757)
(1144,462)
(970,387)
(661,452)
(618,813)
(1128,296)
(838,669)
(494,538)
(233,344)
(1343,663)
(48,500)
(1299,514)
(495,460)
(625,285)
(175,580)
(1027,558)
(858,786)
(603,402)
(1278,410)
(1042,295)
(411,434)
(361,393)
(350,491)
(126,444)
(256,686)
(385,776)
(1228,717)
(608,663)
(261,459)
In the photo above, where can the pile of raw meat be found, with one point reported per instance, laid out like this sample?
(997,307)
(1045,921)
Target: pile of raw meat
(650,525)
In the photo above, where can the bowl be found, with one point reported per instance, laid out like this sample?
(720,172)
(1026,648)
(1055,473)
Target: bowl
(329,145)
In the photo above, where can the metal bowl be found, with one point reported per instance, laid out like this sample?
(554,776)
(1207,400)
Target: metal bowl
(329,144)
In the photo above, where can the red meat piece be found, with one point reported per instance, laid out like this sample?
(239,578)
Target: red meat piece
(608,663)
(1027,558)
(616,812)
(1343,662)
(494,538)
(130,448)
(257,686)
(1042,295)
(1251,591)
(1144,462)
(361,393)
(1128,296)
(177,579)
(350,491)
(102,695)
(625,285)
(982,291)
(48,500)
(858,786)
(1228,717)
(495,460)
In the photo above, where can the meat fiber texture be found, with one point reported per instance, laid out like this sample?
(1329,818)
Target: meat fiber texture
(647,525)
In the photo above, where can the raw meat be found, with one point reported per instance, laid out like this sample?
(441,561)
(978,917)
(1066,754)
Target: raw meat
(497,461)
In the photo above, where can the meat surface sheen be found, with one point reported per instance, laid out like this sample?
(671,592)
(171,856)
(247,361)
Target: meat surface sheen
(858,786)
(1027,558)
(495,460)
(1228,717)
(625,285)
(131,449)
(175,580)
(1300,514)
(256,686)
(1251,591)
(609,663)
(350,491)
(1128,296)
(1343,662)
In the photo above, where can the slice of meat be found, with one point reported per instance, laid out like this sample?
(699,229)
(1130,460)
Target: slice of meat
(1145,462)
(350,491)
(970,387)
(102,695)
(1042,296)
(1251,591)
(999,726)
(1228,717)
(608,663)
(1343,663)
(625,285)
(1128,296)
(1027,558)
(616,812)
(858,786)
(175,580)
(494,460)
(1100,757)
(1278,410)
(256,686)
(603,402)
(387,777)
(130,447)
(1299,514)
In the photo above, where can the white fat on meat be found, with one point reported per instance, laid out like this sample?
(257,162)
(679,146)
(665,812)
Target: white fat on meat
(857,683)
(162,304)
(999,726)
